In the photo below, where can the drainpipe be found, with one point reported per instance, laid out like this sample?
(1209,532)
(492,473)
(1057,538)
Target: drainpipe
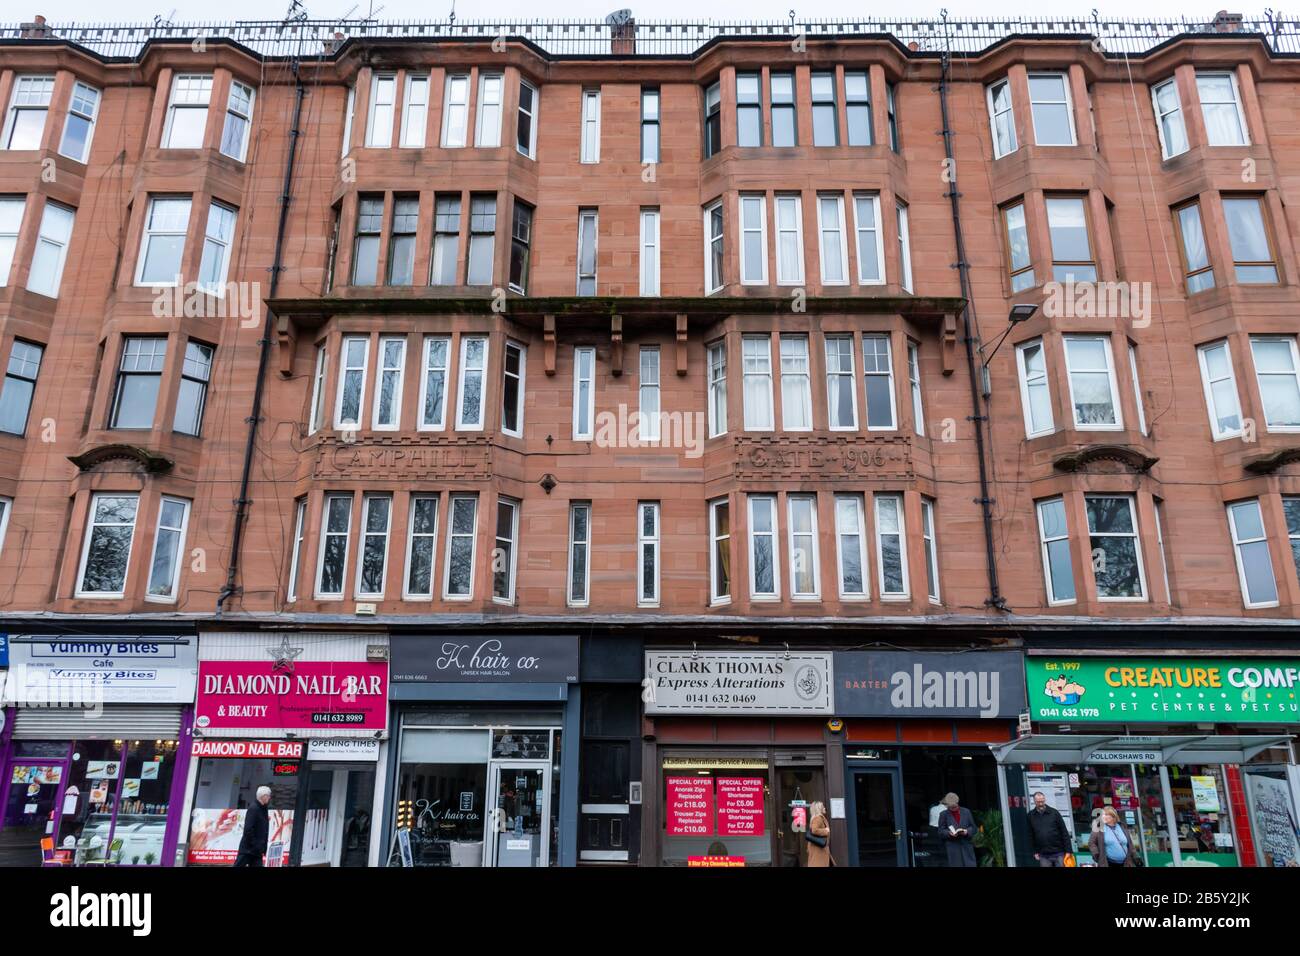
(980,417)
(264,346)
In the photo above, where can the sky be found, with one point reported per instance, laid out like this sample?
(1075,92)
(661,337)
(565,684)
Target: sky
(63,11)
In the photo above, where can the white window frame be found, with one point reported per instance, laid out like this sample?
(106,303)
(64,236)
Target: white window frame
(1207,385)
(461,425)
(11,115)
(717,375)
(714,538)
(650,252)
(590,404)
(813,547)
(1069,105)
(316,412)
(906,593)
(363,533)
(450,538)
(487,135)
(9,234)
(1023,375)
(455,113)
(149,233)
(838,199)
(381,372)
(173,591)
(851,375)
(651,543)
(1177,111)
(407,593)
(930,549)
(713,283)
(1137,388)
(588,219)
(413,135)
(89,532)
(914,382)
(1259,377)
(425,369)
(515,507)
(878,238)
(784,277)
(888,374)
(1111,377)
(569,599)
(219,245)
(1156,507)
(1137,547)
(324,540)
(173,106)
(1236,101)
(380,135)
(1044,541)
(650,369)
(750,200)
(774,534)
(750,426)
(904,247)
(805,390)
(46,240)
(344,368)
(90,119)
(349,112)
(522,376)
(531,151)
(295,557)
(1238,543)
(994,115)
(589,118)
(246,116)
(859,515)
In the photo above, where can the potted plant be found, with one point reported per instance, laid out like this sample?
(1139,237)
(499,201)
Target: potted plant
(990,838)
(149,858)
(135,859)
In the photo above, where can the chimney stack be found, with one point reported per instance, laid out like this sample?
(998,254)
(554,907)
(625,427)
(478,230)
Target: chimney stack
(1225,22)
(622,33)
(36,30)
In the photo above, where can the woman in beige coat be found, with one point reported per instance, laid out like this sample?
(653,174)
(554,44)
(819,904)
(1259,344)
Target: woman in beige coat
(819,826)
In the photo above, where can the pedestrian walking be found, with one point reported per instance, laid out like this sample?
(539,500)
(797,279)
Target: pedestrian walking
(956,829)
(1110,843)
(257,830)
(818,836)
(1048,834)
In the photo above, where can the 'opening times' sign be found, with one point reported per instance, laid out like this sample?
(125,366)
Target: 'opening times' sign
(693,804)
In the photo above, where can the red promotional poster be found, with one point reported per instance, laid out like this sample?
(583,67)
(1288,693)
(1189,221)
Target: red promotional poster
(351,695)
(690,806)
(740,806)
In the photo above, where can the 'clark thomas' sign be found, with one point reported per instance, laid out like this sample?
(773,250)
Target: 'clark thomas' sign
(316,695)
(754,682)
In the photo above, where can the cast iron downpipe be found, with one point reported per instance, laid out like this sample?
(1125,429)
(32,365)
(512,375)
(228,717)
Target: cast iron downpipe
(264,345)
(979,418)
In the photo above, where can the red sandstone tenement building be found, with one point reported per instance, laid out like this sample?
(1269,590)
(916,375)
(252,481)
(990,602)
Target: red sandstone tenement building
(795,410)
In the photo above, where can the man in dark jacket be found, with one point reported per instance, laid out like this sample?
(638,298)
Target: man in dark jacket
(1048,834)
(257,830)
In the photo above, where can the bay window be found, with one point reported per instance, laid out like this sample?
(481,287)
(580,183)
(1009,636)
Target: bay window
(1054,539)
(1220,384)
(163,247)
(336,524)
(1250,547)
(717,389)
(504,552)
(106,552)
(1067,223)
(473,369)
(239,117)
(789,241)
(1197,270)
(19,386)
(421,546)
(871,242)
(1169,119)
(28,107)
(521,239)
(891,547)
(401,240)
(1090,369)
(1225,124)
(1278,373)
(1252,247)
(1019,261)
(352,381)
(218,235)
(803,544)
(830,230)
(51,250)
(446,240)
(458,576)
(455,112)
(1050,107)
(753,240)
(79,127)
(841,389)
(757,355)
(187,111)
(720,551)
(491,88)
(512,390)
(850,546)
(386,412)
(433,383)
(713,258)
(168,549)
(192,395)
(139,379)
(796,384)
(383,104)
(482,238)
(1116,552)
(1002,120)
(878,382)
(784,127)
(764,569)
(857,107)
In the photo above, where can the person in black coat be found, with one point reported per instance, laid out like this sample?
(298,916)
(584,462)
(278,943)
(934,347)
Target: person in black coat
(1048,834)
(257,830)
(956,830)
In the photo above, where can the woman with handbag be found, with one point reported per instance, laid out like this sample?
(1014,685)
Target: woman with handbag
(818,836)
(1110,843)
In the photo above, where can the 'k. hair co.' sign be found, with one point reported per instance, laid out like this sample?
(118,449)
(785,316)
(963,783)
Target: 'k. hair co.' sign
(927,684)
(730,682)
(474,659)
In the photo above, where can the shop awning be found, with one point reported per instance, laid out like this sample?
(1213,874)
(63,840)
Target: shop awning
(1112,748)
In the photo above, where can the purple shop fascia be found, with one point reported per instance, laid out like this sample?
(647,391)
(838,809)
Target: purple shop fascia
(94,747)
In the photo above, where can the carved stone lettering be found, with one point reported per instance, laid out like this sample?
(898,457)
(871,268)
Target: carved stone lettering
(431,459)
(824,459)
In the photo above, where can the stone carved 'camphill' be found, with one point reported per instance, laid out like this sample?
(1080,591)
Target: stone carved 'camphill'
(814,458)
(441,460)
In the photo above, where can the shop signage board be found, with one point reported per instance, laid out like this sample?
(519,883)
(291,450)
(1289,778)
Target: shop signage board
(4,650)
(249,749)
(1164,690)
(1055,787)
(352,749)
(506,659)
(740,806)
(690,806)
(110,670)
(985,684)
(715,861)
(315,695)
(725,682)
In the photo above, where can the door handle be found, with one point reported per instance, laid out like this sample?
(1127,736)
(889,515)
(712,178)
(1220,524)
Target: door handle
(897,834)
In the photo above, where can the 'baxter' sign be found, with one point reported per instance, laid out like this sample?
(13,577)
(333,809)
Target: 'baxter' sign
(754,682)
(904,684)
(512,660)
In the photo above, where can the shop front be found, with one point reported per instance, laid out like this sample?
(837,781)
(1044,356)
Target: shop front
(1196,756)
(484,765)
(305,714)
(738,749)
(917,726)
(94,749)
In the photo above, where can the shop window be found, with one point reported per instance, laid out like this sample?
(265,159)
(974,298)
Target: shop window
(11,222)
(914,381)
(224,789)
(590,145)
(295,557)
(352,381)
(649,124)
(168,549)
(421,546)
(446,240)
(712,120)
(713,247)
(401,240)
(1049,102)
(579,553)
(1225,124)
(1198,272)
(805,576)
(1094,394)
(1067,222)
(442,788)
(521,237)
(757,382)
(931,550)
(121,790)
(1277,371)
(163,246)
(28,107)
(720,551)
(19,386)
(796,384)
(850,546)
(1035,394)
(789,240)
(365,248)
(649,252)
(720,811)
(891,547)
(904,249)
(1250,544)
(79,127)
(1116,551)
(753,240)
(462,525)
(1138,398)
(526,127)
(717,389)
(749,110)
(187,111)
(387,411)
(372,559)
(1054,537)
(647,545)
(784,124)
(383,102)
(1020,264)
(482,239)
(584,392)
(218,235)
(491,89)
(336,524)
(139,379)
(106,553)
(433,383)
(1002,121)
(1252,247)
(825,112)
(504,553)
(51,250)
(841,389)
(473,370)
(648,394)
(832,253)
(512,390)
(415,110)
(239,117)
(857,107)
(1220,383)
(871,242)
(878,382)
(764,567)
(455,112)
(1169,119)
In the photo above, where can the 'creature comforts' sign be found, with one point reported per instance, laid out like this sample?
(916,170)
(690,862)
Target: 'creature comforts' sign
(756,682)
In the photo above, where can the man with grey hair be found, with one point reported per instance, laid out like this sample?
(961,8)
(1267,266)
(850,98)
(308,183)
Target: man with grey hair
(257,830)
